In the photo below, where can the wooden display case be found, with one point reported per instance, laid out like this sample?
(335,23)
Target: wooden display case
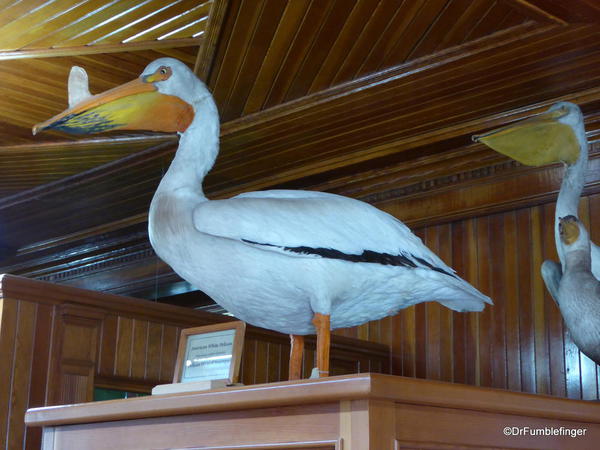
(354,412)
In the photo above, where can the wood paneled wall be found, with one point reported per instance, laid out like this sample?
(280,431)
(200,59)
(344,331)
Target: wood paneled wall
(57,343)
(520,343)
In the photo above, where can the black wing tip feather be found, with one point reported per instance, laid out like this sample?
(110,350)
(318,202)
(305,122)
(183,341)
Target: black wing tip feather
(367,256)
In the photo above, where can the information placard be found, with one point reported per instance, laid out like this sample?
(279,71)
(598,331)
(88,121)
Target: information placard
(208,353)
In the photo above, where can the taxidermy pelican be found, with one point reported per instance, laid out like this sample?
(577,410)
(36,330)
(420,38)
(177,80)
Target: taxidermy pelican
(298,262)
(578,294)
(556,135)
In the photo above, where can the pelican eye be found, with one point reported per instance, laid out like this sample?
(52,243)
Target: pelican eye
(164,72)
(161,74)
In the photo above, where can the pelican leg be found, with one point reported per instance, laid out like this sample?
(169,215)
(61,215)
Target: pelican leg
(296,352)
(552,274)
(323,326)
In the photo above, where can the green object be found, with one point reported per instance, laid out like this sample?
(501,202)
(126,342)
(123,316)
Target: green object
(101,394)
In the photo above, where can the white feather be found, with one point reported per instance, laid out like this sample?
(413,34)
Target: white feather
(78,86)
(310,219)
(235,249)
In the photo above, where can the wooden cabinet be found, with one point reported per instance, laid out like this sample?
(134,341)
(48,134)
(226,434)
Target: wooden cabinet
(353,412)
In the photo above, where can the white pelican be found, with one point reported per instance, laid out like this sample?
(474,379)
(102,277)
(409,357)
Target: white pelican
(297,262)
(556,135)
(578,294)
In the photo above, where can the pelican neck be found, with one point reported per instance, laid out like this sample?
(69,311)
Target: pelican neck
(197,150)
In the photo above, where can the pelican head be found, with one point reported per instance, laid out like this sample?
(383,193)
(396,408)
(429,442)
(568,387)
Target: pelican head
(162,98)
(557,135)
(173,78)
(573,234)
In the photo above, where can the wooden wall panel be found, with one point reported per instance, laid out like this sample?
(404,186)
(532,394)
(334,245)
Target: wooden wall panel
(73,353)
(137,349)
(520,343)
(25,330)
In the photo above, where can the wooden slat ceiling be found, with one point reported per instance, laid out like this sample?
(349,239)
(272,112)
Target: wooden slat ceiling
(113,40)
(35,24)
(329,94)
(281,51)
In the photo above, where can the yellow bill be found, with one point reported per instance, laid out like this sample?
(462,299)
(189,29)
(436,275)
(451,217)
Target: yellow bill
(136,105)
(537,141)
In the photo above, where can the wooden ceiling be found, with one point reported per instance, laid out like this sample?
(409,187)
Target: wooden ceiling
(369,98)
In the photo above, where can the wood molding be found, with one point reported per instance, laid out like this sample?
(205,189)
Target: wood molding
(100,48)
(356,387)
(529,188)
(482,182)
(88,143)
(38,291)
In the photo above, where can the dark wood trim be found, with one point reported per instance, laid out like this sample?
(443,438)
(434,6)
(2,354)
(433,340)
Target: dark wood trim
(165,144)
(39,291)
(125,384)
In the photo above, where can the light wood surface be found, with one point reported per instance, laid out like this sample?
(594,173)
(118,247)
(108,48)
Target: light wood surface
(357,387)
(363,411)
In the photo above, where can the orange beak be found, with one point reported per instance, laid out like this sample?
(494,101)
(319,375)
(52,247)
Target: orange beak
(136,105)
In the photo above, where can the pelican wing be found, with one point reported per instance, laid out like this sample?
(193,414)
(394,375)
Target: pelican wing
(316,224)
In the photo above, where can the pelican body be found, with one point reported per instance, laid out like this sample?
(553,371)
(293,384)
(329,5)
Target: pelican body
(298,262)
(578,294)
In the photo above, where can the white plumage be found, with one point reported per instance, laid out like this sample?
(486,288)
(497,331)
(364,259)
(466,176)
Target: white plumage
(578,292)
(276,259)
(238,250)
(78,86)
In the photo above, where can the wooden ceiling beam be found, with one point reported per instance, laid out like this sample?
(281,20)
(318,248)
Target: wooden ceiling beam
(101,48)
(529,9)
(93,142)
(561,12)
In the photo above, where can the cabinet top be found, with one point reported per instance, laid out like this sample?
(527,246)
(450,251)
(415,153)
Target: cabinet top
(325,390)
